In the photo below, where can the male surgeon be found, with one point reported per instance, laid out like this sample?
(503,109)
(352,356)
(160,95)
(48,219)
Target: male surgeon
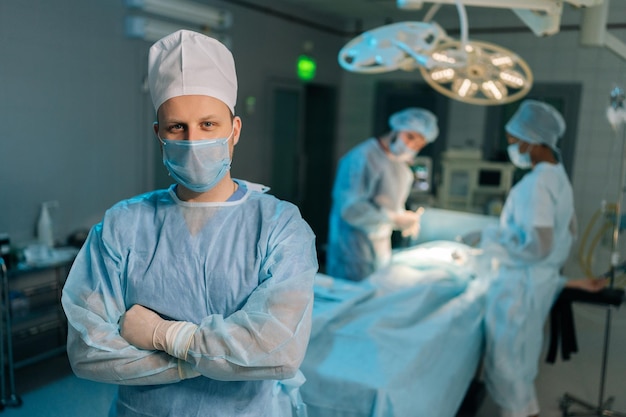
(196,300)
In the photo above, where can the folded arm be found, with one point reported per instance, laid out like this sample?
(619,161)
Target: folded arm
(266,339)
(93,305)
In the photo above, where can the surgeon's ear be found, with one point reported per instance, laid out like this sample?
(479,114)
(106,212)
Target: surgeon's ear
(236,129)
(155,127)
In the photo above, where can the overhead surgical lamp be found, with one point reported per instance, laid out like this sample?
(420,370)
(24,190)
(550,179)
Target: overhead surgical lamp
(401,45)
(489,74)
(186,11)
(468,71)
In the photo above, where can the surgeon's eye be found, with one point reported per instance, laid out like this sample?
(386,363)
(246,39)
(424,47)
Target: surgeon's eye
(176,127)
(208,125)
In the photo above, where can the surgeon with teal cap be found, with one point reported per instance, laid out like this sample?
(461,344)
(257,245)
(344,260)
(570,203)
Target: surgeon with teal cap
(530,246)
(372,184)
(197,299)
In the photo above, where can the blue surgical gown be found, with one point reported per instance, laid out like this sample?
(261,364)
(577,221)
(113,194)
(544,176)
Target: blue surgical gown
(368,185)
(526,283)
(242,271)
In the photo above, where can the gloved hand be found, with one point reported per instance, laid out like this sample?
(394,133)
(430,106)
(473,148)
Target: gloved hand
(137,326)
(408,222)
(145,329)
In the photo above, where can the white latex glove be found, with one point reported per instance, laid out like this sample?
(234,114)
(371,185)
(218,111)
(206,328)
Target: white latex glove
(137,326)
(408,222)
(145,329)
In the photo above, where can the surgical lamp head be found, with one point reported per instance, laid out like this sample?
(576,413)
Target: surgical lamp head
(537,123)
(417,120)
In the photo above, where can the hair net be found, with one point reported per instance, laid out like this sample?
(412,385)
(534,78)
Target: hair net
(417,120)
(536,122)
(190,63)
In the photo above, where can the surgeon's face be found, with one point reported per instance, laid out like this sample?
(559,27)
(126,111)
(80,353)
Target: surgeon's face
(196,118)
(413,140)
(523,146)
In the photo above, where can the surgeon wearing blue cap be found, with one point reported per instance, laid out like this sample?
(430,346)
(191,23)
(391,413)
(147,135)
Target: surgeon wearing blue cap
(530,246)
(372,184)
(196,300)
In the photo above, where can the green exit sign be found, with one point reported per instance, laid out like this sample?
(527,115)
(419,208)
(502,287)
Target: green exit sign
(306,68)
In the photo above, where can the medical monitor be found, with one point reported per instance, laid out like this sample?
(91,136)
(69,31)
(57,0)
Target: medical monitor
(472,184)
(422,171)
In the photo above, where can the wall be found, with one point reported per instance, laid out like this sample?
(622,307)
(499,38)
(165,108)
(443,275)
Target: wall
(557,58)
(70,112)
(76,122)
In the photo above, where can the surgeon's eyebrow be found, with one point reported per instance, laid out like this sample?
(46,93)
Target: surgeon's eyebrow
(216,118)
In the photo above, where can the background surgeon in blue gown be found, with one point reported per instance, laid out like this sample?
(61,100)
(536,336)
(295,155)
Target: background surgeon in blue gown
(531,244)
(372,184)
(197,299)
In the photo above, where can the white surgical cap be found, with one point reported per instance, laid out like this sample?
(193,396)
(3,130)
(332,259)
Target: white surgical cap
(536,122)
(417,120)
(189,63)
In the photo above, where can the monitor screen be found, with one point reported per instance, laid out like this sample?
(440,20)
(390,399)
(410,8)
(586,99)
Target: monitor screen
(422,171)
(489,177)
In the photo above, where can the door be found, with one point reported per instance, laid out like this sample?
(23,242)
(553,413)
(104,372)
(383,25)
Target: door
(303,131)
(319,137)
(288,152)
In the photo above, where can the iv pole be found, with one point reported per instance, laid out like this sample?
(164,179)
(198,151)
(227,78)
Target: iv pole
(603,407)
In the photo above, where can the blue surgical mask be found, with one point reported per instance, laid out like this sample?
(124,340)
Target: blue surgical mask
(401,150)
(197,164)
(520,160)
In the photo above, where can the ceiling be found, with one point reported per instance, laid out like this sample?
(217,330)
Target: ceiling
(354,16)
(355,9)
(351,12)
(349,18)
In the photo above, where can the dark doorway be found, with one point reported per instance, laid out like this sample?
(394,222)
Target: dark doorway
(304,132)
(319,138)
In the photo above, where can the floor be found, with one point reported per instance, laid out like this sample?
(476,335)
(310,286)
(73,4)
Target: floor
(48,389)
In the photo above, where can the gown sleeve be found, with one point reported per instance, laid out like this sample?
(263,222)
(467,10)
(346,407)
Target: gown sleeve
(354,192)
(526,230)
(93,302)
(267,338)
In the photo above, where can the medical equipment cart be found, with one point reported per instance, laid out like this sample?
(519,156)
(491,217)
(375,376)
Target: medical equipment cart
(32,323)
